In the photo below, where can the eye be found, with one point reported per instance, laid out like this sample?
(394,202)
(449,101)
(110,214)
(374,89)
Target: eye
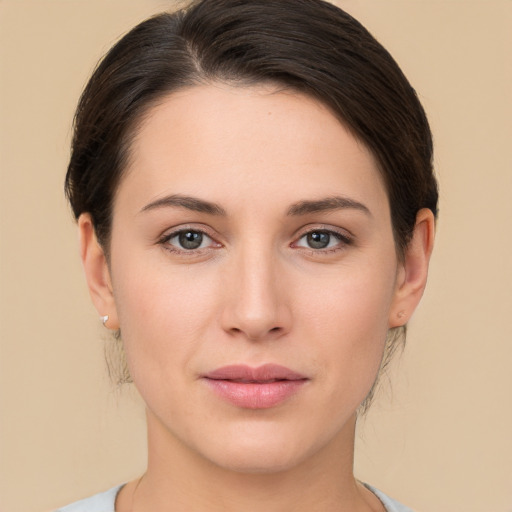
(322,239)
(187,240)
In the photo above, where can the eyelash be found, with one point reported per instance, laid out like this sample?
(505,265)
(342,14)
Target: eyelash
(343,240)
(164,241)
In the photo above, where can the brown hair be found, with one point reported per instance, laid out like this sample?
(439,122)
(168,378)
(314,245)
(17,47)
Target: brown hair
(309,46)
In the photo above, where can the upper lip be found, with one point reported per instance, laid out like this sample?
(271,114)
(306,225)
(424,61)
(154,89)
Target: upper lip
(244,373)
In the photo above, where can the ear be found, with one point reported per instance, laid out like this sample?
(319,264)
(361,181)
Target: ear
(412,272)
(97,273)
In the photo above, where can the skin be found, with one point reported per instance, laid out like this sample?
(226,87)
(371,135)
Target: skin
(255,292)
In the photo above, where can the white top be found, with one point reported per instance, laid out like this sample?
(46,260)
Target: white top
(105,502)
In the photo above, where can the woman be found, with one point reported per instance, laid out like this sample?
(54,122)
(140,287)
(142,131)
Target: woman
(255,200)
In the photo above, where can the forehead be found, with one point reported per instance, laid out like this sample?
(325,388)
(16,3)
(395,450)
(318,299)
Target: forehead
(218,139)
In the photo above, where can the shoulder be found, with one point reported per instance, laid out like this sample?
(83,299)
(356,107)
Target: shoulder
(390,504)
(103,502)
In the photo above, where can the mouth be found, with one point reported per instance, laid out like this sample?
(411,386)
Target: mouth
(255,388)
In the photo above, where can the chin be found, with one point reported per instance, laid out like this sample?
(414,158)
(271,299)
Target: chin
(258,461)
(261,451)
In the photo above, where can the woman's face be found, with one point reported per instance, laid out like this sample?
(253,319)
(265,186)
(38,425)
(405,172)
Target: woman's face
(251,229)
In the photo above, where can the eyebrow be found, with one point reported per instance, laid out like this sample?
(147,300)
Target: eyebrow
(188,202)
(297,209)
(327,204)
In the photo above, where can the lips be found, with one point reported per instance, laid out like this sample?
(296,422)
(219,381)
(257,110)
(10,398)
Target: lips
(255,388)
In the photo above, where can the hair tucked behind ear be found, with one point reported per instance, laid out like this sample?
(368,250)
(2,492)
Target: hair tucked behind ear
(395,341)
(309,46)
(115,357)
(319,50)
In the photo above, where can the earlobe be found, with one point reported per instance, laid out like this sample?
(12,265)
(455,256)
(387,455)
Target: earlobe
(412,274)
(97,273)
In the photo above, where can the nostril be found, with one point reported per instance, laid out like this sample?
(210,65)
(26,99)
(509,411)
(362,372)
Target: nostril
(254,334)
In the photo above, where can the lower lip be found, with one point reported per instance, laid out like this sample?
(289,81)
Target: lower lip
(255,395)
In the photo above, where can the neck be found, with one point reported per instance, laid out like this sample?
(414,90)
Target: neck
(178,478)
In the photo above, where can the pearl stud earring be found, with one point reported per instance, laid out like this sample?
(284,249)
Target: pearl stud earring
(104,319)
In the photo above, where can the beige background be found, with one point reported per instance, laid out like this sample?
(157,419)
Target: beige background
(440,441)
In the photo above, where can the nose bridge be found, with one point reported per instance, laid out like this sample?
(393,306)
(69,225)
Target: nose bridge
(257,306)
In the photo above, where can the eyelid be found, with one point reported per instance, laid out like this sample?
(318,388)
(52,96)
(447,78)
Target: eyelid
(343,233)
(169,234)
(344,236)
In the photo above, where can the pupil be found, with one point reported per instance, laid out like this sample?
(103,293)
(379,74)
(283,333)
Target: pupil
(318,239)
(190,239)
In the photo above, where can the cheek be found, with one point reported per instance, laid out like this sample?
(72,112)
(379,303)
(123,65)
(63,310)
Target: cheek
(348,320)
(163,311)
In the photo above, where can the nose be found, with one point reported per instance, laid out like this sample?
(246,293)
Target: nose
(256,305)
